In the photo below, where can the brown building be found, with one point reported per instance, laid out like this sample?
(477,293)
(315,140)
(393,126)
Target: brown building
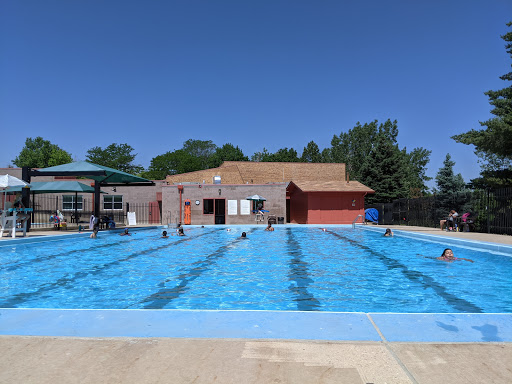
(303,193)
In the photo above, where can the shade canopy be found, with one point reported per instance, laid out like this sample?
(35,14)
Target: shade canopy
(7,181)
(104,175)
(55,187)
(256,198)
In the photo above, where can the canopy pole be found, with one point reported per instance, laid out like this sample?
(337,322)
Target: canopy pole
(25,192)
(96,199)
(76,208)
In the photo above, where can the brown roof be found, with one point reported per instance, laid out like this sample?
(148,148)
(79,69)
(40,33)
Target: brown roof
(272,172)
(332,186)
(243,172)
(229,175)
(307,176)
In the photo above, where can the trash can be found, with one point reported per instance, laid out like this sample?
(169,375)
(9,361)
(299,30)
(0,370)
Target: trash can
(280,220)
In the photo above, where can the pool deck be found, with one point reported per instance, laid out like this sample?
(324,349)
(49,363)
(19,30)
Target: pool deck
(174,346)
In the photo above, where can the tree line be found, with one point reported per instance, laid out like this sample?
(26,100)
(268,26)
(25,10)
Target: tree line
(370,151)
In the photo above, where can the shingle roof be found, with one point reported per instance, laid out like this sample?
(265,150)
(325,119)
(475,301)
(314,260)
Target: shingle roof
(272,172)
(307,176)
(332,186)
(229,175)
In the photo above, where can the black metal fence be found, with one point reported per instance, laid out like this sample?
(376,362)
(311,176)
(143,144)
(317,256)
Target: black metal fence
(492,210)
(46,206)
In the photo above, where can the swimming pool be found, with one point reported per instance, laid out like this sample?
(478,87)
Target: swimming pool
(293,268)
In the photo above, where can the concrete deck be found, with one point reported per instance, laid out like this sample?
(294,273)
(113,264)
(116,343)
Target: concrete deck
(399,348)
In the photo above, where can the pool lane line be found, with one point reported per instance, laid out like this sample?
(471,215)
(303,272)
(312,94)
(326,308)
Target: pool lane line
(55,255)
(299,274)
(18,298)
(418,277)
(164,296)
(44,258)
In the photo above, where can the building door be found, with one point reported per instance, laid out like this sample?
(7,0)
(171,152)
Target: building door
(220,211)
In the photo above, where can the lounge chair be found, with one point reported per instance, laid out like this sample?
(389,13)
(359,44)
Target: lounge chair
(467,222)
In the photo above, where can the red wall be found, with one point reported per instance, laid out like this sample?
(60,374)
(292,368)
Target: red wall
(334,207)
(325,207)
(298,207)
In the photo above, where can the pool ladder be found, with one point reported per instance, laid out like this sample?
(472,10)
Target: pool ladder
(354,222)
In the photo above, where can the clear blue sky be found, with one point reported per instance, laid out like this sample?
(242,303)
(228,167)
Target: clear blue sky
(257,74)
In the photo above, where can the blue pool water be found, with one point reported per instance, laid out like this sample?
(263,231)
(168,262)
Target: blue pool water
(292,268)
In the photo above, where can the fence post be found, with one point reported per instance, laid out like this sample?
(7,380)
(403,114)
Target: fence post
(408,211)
(487,209)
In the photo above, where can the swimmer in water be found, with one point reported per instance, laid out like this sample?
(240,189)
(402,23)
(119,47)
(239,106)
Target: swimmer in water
(94,234)
(180,232)
(244,235)
(269,228)
(389,233)
(164,235)
(449,257)
(125,233)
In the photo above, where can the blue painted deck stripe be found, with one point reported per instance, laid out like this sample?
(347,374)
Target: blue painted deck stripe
(441,327)
(257,325)
(191,324)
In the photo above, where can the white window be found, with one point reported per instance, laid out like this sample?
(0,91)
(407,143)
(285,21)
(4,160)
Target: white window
(69,203)
(113,202)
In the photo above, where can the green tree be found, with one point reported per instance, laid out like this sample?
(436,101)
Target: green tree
(451,192)
(117,156)
(495,141)
(227,152)
(496,171)
(326,155)
(285,155)
(387,172)
(373,157)
(264,155)
(202,149)
(354,146)
(172,163)
(417,161)
(446,180)
(40,153)
(311,154)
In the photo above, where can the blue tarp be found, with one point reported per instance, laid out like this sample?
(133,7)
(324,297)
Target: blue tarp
(371,214)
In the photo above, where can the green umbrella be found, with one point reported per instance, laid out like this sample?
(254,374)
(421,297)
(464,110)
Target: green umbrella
(104,176)
(38,187)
